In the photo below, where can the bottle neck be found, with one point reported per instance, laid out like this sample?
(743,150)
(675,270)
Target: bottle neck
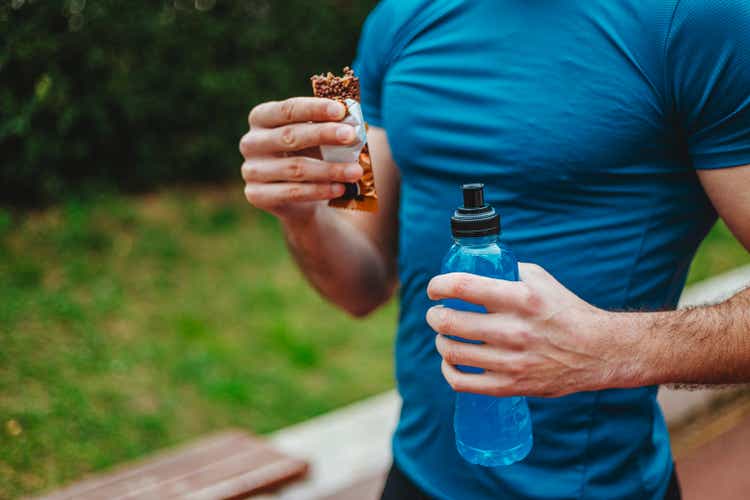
(476,241)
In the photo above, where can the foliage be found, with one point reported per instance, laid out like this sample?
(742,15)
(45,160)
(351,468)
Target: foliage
(131,93)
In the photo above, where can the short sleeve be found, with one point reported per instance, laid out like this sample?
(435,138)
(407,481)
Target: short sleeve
(707,65)
(370,66)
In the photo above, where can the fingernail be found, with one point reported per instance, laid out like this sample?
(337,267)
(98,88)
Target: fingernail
(338,189)
(353,172)
(344,133)
(335,110)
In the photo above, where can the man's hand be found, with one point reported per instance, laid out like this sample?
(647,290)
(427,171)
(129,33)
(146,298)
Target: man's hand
(539,339)
(282,170)
(349,257)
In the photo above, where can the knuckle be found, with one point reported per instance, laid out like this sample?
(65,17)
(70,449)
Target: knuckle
(522,336)
(451,355)
(530,298)
(336,171)
(321,109)
(513,368)
(288,137)
(445,321)
(536,268)
(461,285)
(295,193)
(316,135)
(296,169)
(287,108)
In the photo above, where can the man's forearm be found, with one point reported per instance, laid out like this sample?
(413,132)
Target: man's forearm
(339,261)
(697,345)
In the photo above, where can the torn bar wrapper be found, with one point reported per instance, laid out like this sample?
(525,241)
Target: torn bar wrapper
(359,195)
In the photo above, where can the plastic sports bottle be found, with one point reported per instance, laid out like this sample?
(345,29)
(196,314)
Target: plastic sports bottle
(490,431)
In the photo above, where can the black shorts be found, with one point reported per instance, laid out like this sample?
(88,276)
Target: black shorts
(400,487)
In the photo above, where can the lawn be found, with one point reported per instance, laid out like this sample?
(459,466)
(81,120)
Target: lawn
(128,324)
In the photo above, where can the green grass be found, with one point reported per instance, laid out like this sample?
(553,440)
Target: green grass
(127,325)
(719,252)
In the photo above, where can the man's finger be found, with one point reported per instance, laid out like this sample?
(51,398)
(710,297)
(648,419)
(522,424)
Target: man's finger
(265,195)
(296,137)
(296,110)
(489,383)
(455,352)
(497,329)
(299,169)
(493,294)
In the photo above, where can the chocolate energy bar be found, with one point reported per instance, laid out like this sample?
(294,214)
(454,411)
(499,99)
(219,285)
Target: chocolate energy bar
(359,195)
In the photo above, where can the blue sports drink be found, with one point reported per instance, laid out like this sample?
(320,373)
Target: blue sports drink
(489,431)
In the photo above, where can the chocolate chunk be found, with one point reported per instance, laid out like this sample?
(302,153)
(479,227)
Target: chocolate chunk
(335,87)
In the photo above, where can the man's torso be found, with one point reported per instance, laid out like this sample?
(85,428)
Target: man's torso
(563,110)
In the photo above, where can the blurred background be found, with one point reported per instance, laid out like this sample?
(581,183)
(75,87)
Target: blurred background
(143,302)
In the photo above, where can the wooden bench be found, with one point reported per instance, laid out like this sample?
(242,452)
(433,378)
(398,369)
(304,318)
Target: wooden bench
(231,464)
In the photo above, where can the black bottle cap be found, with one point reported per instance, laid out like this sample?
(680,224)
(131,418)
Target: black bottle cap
(473,195)
(475,217)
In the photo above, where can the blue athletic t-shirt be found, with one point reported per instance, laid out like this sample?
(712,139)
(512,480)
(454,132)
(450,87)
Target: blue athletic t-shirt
(586,121)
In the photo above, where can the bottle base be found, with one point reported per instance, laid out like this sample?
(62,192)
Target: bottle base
(494,458)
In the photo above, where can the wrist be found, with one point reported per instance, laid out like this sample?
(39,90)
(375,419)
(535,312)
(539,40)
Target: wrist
(296,221)
(644,357)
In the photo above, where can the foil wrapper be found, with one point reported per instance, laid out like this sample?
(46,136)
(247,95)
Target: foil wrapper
(349,153)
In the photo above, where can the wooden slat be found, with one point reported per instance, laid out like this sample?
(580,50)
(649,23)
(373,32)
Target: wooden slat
(179,485)
(718,470)
(262,479)
(179,481)
(132,471)
(231,463)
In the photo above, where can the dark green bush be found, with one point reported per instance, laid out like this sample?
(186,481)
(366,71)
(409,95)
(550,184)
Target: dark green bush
(127,94)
